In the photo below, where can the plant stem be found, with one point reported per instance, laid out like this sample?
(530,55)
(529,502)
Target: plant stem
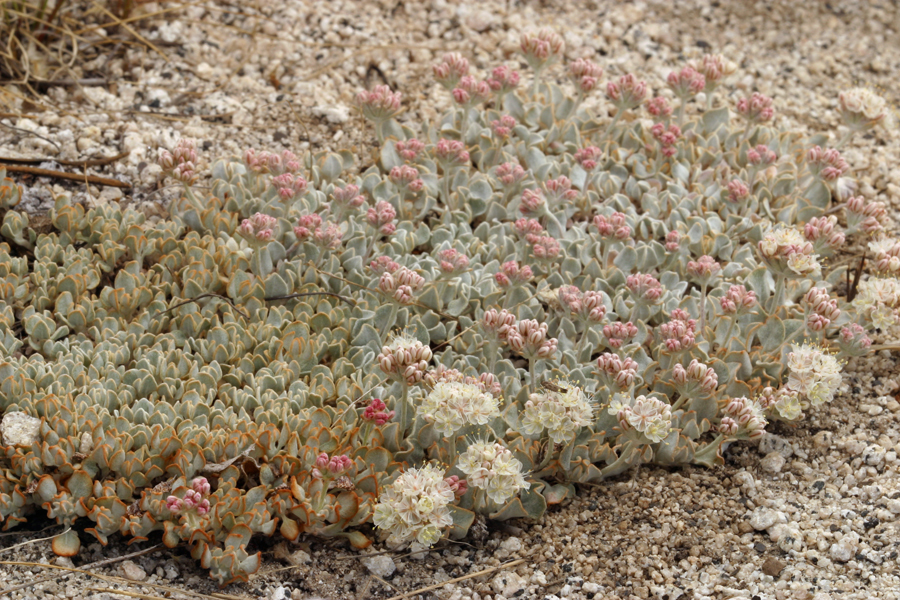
(404,406)
(703,310)
(531,380)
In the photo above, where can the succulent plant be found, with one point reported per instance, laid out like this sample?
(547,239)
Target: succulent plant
(523,297)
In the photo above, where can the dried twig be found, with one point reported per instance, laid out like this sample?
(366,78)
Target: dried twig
(14,546)
(131,30)
(428,588)
(38,172)
(31,133)
(301,295)
(207,295)
(94,162)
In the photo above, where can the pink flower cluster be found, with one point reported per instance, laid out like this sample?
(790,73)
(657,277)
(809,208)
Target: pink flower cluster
(617,334)
(627,92)
(259,228)
(510,174)
(696,377)
(380,104)
(503,127)
(503,80)
(486,382)
(310,227)
(195,499)
(827,164)
(405,359)
(269,162)
(588,157)
(289,185)
(410,149)
(529,339)
(761,155)
(824,233)
(457,485)
(406,177)
(644,287)
(743,413)
(451,153)
(585,305)
(543,247)
(667,138)
(348,197)
(673,241)
(452,262)
(331,466)
(533,204)
(704,268)
(737,299)
(525,227)
(757,108)
(560,189)
(659,107)
(823,310)
(678,333)
(383,264)
(401,284)
(738,191)
(377,412)
(586,74)
(381,217)
(853,340)
(511,274)
(180,162)
(617,371)
(451,69)
(497,324)
(470,92)
(540,48)
(714,68)
(686,83)
(864,215)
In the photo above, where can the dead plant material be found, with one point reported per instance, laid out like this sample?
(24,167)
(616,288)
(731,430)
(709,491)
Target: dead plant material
(38,172)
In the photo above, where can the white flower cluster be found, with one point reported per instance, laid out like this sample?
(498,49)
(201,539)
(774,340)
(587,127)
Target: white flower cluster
(814,373)
(863,109)
(878,300)
(561,413)
(492,468)
(453,404)
(648,415)
(787,245)
(414,507)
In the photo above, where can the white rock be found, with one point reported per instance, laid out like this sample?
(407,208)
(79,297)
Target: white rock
(19,429)
(333,113)
(775,443)
(171,571)
(763,518)
(132,571)
(772,463)
(381,566)
(87,442)
(300,557)
(539,578)
(64,561)
(842,551)
(590,587)
(873,455)
(84,143)
(512,544)
(507,584)
(893,505)
(278,593)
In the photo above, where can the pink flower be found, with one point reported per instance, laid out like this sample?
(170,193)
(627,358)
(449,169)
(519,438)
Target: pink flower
(673,239)
(560,189)
(174,504)
(826,164)
(703,268)
(381,217)
(585,74)
(380,104)
(510,174)
(616,370)
(452,262)
(459,486)
(686,83)
(543,247)
(451,153)
(377,412)
(533,204)
(451,69)
(627,92)
(617,334)
(761,155)
(258,228)
(588,157)
(644,287)
(659,107)
(200,485)
(511,274)
(541,48)
(470,92)
(738,191)
(503,80)
(410,149)
(503,128)
(737,299)
(757,108)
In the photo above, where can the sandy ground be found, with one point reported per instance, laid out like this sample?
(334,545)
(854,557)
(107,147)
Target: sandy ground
(821,523)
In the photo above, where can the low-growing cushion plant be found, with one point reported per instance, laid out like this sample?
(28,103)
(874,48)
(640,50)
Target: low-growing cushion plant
(523,297)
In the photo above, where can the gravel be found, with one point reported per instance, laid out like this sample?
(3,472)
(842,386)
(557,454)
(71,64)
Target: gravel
(809,513)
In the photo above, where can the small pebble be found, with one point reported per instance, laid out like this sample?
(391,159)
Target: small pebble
(382,566)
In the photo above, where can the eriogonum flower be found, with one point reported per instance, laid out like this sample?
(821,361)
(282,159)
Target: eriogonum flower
(511,274)
(738,191)
(179,163)
(486,382)
(330,467)
(510,174)
(644,288)
(541,48)
(814,373)
(377,412)
(451,69)
(562,414)
(560,190)
(381,217)
(503,127)
(503,80)
(497,324)
(686,82)
(469,91)
(659,107)
(525,227)
(646,414)
(451,153)
(614,225)
(289,186)
(743,418)
(673,241)
(737,300)
(406,178)
(347,197)
(405,357)
(544,247)
(761,155)
(627,92)
(667,138)
(704,269)
(853,340)
(863,109)
(529,339)
(863,216)
(877,300)
(678,333)
(826,164)
(616,372)
(193,504)
(401,285)
(414,507)
(788,252)
(588,157)
(258,229)
(756,109)
(825,234)
(585,74)
(493,468)
(452,405)
(383,264)
(452,262)
(410,149)
(714,68)
(587,306)
(532,204)
(617,334)
(696,378)
(380,104)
